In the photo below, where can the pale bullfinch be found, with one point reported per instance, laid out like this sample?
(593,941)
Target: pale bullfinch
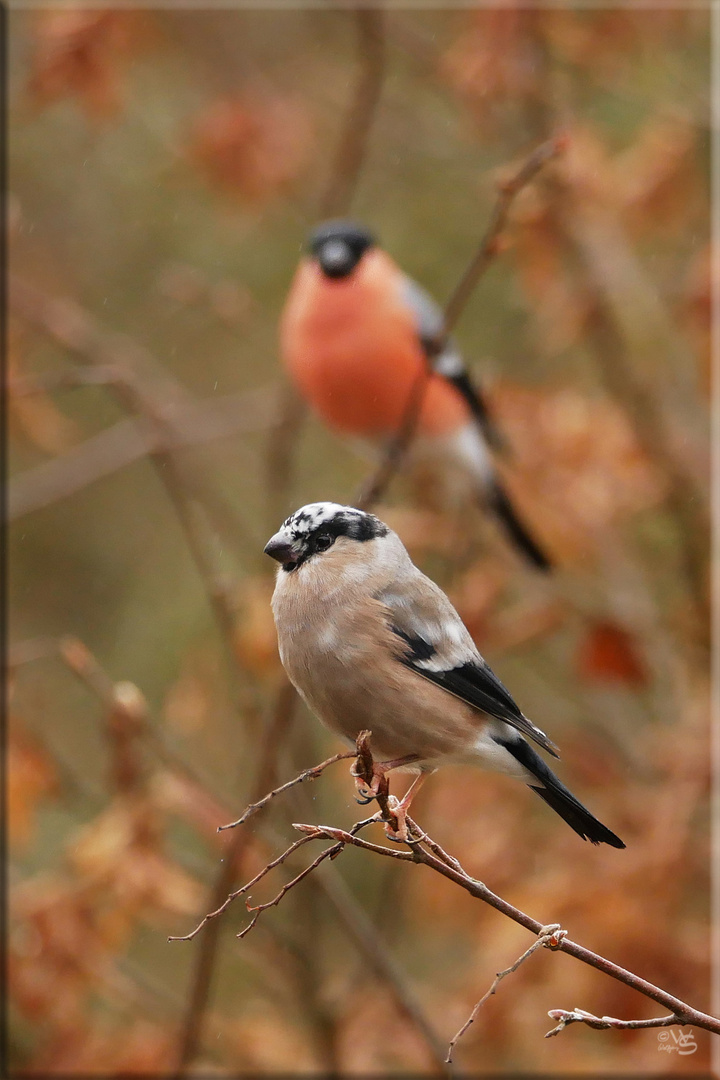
(356,333)
(370,642)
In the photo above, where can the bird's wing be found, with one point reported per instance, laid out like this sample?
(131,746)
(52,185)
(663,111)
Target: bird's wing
(448,362)
(434,642)
(428,314)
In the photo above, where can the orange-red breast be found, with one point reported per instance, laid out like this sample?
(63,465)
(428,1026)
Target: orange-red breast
(356,333)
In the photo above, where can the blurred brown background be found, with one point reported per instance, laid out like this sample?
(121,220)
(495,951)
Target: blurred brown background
(164,169)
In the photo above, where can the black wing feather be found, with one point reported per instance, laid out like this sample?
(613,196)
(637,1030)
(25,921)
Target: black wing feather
(475,683)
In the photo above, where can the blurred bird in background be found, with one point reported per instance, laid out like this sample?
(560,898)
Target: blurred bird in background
(356,335)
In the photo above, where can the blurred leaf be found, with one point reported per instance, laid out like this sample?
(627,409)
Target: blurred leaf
(657,177)
(31,777)
(35,414)
(577,466)
(255,639)
(128,1049)
(81,53)
(252,148)
(494,62)
(697,311)
(609,653)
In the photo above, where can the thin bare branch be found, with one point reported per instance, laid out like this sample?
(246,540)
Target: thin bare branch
(317,832)
(377,483)
(242,890)
(579,1016)
(489,245)
(549,938)
(131,440)
(308,774)
(328,853)
(352,145)
(375,486)
(685,1013)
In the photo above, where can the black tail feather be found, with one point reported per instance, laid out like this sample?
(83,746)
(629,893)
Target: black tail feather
(500,504)
(557,796)
(577,816)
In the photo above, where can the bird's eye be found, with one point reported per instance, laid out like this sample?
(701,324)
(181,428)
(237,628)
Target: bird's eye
(324,541)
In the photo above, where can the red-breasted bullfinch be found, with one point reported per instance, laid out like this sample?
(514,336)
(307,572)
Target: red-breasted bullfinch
(356,333)
(371,642)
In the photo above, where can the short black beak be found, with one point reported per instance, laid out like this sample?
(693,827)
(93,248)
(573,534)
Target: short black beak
(279,549)
(336,258)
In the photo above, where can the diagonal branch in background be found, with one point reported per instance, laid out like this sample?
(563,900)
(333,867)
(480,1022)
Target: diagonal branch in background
(489,247)
(629,329)
(280,455)
(633,335)
(142,387)
(160,405)
(132,439)
(375,486)
(686,500)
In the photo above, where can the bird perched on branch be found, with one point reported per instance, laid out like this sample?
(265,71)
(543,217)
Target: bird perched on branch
(357,335)
(371,642)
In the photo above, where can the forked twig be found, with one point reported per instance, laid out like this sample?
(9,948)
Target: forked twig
(580,1016)
(242,890)
(548,939)
(329,853)
(258,909)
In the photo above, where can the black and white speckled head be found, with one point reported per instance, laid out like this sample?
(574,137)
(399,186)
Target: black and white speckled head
(314,528)
(339,246)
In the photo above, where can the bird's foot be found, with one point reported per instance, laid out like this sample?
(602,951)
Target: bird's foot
(378,783)
(366,792)
(399,834)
